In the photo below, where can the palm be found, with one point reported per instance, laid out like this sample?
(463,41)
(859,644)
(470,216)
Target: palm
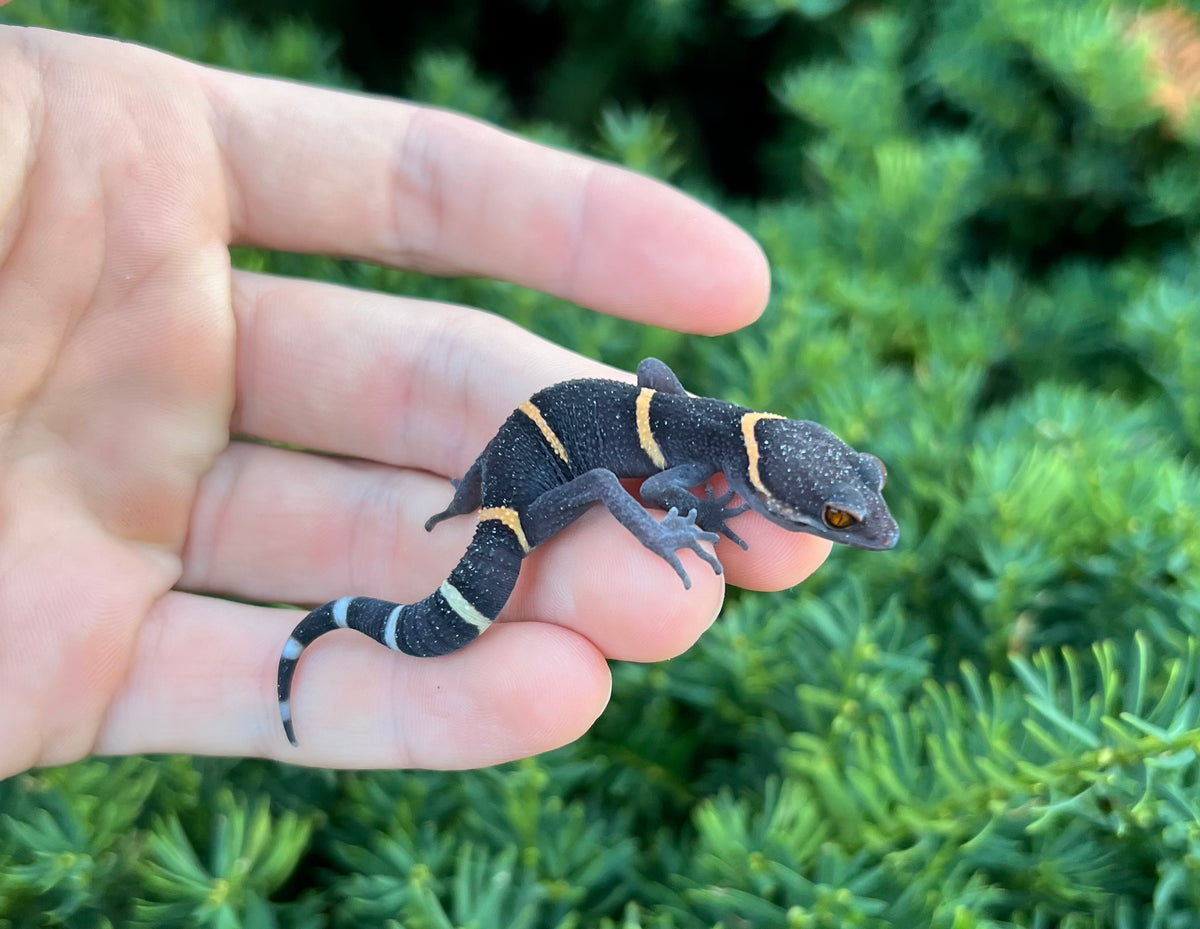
(119,350)
(130,353)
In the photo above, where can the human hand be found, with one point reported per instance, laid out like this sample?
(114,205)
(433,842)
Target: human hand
(131,353)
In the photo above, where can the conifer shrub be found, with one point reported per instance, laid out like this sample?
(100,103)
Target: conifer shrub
(982,221)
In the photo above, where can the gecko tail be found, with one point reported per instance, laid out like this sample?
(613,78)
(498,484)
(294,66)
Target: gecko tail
(414,629)
(333,615)
(452,616)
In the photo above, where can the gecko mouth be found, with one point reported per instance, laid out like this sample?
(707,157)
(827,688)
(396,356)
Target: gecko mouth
(798,521)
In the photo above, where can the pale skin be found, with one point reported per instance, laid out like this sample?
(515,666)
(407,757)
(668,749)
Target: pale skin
(135,362)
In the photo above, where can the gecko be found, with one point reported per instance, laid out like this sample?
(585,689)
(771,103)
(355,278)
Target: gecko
(568,447)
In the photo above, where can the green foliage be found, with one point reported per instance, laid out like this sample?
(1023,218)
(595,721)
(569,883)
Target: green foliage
(67,841)
(249,856)
(517,853)
(201,31)
(984,241)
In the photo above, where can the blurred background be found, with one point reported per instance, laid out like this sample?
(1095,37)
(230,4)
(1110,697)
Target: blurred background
(982,222)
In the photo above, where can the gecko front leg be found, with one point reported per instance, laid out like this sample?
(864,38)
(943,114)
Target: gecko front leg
(557,508)
(672,488)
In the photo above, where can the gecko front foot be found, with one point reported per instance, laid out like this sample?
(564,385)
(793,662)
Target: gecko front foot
(677,532)
(714,513)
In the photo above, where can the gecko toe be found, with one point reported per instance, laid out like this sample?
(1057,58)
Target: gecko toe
(679,569)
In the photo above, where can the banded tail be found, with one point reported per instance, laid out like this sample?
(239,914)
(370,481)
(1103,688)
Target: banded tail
(452,616)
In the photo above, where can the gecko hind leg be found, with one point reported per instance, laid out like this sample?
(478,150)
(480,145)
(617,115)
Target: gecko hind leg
(468,497)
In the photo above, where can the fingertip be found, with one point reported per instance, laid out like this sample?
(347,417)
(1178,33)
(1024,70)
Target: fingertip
(656,255)
(772,558)
(571,690)
(741,285)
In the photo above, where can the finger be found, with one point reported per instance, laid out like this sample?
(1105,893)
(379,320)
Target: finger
(335,173)
(774,559)
(407,382)
(203,682)
(276,525)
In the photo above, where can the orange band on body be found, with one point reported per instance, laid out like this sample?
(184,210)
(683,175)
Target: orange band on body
(645,435)
(539,420)
(749,421)
(511,518)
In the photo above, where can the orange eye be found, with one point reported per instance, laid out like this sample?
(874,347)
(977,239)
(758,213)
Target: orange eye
(838,519)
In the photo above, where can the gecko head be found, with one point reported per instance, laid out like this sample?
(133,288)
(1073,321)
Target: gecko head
(803,477)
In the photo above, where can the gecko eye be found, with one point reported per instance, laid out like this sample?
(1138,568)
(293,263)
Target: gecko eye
(837,518)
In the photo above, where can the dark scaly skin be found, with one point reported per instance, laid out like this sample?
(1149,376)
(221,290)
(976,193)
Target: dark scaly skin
(567,448)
